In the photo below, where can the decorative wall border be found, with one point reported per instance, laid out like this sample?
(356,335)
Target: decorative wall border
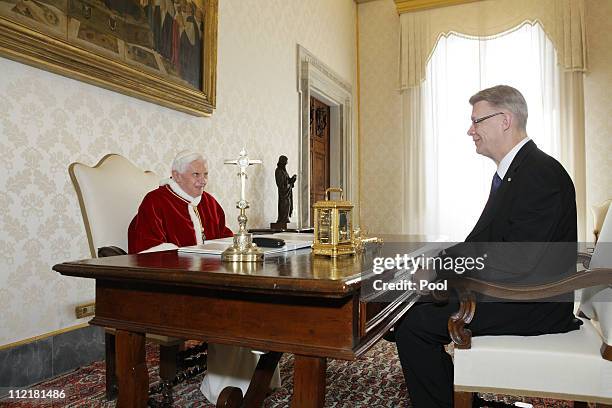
(407,6)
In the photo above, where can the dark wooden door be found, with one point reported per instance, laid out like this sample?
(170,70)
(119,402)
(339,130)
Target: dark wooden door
(319,150)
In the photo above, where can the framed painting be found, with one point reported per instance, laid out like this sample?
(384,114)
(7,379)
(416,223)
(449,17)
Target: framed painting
(162,51)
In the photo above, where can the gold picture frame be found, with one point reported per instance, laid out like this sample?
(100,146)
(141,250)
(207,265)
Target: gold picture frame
(121,45)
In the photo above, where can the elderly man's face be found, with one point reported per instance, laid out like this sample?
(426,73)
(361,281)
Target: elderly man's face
(488,135)
(194,179)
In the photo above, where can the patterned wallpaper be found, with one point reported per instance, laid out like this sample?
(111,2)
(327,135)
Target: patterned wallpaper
(598,105)
(48,121)
(381,158)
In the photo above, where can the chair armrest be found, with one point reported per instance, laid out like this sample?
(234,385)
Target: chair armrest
(110,251)
(584,258)
(466,287)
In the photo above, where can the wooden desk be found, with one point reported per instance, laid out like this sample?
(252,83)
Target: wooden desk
(292,303)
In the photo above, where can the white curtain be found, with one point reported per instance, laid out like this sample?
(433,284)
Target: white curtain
(563,21)
(457,179)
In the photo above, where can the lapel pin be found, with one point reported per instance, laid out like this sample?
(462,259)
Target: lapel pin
(509,178)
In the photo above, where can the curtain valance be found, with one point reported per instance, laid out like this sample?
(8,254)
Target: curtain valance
(562,20)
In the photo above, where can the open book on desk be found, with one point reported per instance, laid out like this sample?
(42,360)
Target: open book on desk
(217,246)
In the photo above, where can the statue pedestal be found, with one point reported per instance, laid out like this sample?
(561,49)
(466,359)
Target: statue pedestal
(278,226)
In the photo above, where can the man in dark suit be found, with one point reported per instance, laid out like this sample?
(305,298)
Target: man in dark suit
(532,201)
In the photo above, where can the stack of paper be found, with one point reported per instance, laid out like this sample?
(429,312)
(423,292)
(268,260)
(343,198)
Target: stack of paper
(217,246)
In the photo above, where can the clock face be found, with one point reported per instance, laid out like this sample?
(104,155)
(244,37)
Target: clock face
(243,161)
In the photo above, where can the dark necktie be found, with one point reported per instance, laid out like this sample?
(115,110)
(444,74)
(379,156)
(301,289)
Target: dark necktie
(495,184)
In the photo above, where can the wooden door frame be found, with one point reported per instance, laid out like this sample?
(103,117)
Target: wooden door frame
(314,78)
(330,176)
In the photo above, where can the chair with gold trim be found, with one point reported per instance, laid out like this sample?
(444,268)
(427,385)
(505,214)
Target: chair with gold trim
(109,196)
(571,366)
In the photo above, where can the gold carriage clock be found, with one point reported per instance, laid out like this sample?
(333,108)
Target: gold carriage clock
(333,226)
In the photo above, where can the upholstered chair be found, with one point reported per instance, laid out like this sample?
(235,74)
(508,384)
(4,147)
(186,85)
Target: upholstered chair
(570,366)
(109,196)
(599,214)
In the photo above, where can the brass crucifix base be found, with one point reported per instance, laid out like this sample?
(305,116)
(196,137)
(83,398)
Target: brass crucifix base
(243,249)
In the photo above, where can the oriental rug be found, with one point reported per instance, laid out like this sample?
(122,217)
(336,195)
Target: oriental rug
(373,381)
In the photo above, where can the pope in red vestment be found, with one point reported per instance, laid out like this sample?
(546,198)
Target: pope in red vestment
(164,217)
(179,213)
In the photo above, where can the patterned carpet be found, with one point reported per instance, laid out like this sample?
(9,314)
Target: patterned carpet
(373,381)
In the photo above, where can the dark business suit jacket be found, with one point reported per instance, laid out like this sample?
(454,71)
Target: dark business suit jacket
(536,202)
(528,231)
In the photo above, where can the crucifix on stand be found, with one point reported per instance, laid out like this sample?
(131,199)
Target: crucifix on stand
(243,249)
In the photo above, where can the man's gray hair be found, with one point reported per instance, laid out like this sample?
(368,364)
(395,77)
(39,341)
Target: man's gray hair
(182,160)
(505,97)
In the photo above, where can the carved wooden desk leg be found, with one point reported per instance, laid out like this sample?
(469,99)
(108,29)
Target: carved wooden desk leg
(231,397)
(463,399)
(308,382)
(111,371)
(167,370)
(132,372)
(260,382)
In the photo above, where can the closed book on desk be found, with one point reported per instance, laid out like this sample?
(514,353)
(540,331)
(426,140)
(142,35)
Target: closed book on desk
(217,246)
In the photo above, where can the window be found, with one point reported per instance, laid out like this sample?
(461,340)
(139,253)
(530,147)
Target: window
(457,179)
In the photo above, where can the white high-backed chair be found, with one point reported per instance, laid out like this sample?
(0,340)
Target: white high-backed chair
(574,366)
(599,215)
(596,301)
(109,195)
